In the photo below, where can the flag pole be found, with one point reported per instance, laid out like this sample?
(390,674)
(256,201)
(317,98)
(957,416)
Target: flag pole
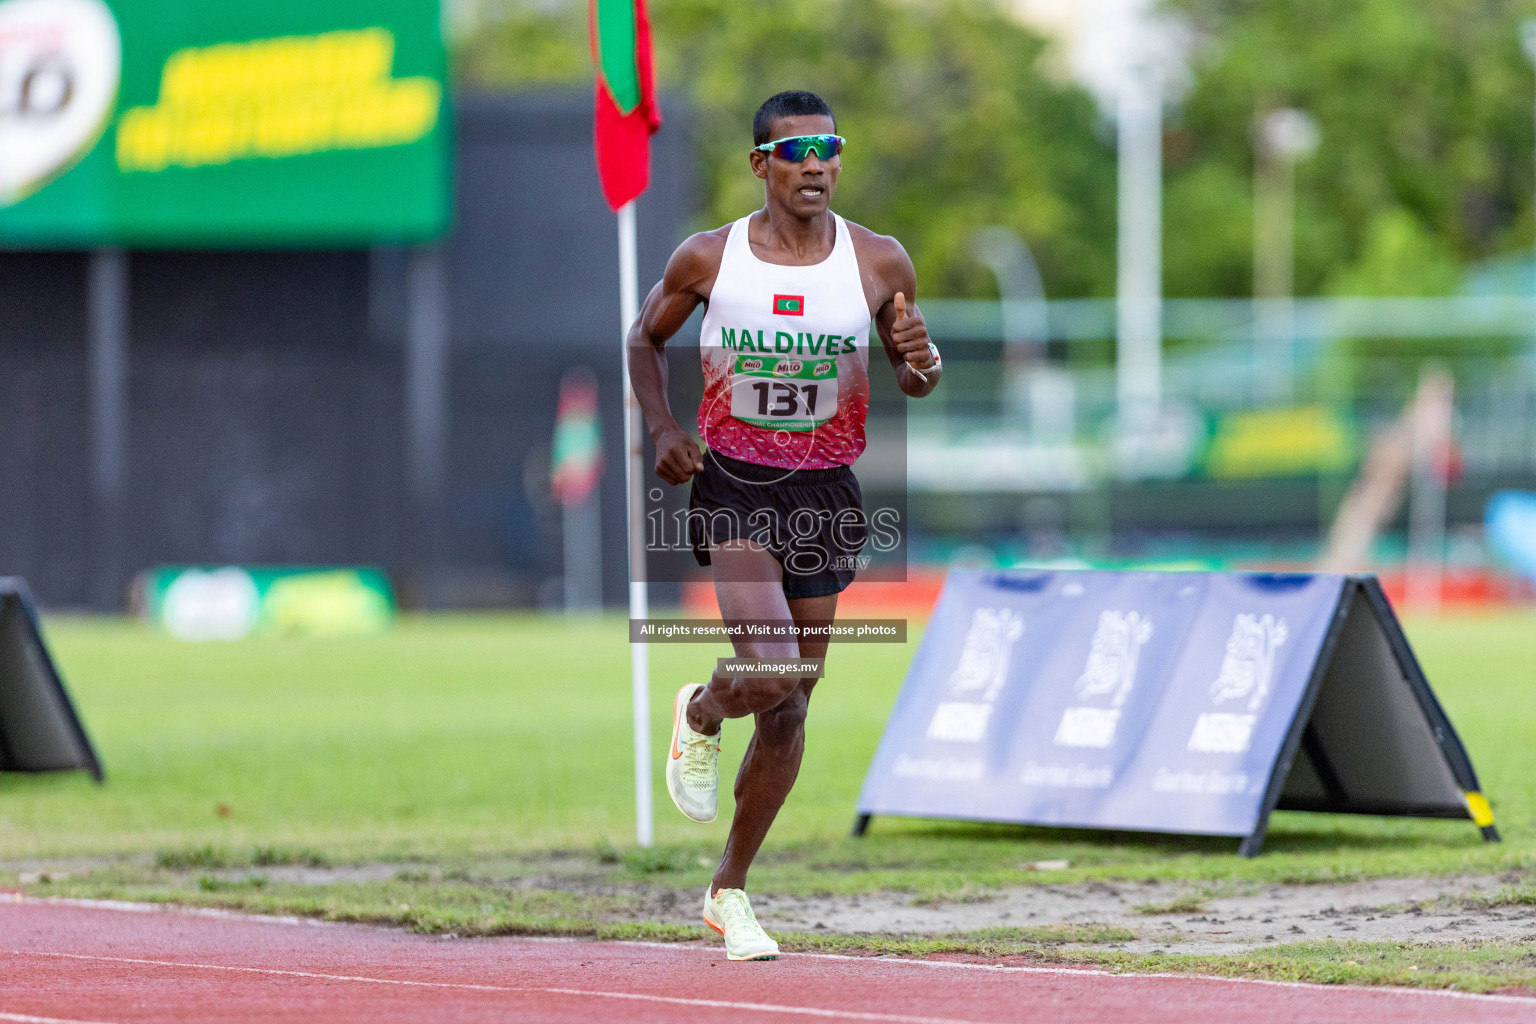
(634,490)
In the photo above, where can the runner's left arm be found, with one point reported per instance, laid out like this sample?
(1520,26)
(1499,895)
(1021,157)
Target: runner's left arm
(901,326)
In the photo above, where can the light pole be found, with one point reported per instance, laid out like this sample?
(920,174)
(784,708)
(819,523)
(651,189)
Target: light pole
(1282,139)
(1029,380)
(1020,287)
(1139,313)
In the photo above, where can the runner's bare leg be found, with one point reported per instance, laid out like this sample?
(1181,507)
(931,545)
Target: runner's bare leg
(772,761)
(747,588)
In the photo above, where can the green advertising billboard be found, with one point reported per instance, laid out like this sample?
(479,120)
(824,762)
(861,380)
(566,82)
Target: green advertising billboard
(184,123)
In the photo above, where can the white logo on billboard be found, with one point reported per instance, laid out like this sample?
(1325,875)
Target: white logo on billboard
(59,67)
(1247,670)
(1218,732)
(222,604)
(980,675)
(959,722)
(1113,657)
(1249,663)
(986,651)
(1087,727)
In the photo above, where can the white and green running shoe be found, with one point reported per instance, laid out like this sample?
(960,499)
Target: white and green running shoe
(693,763)
(730,913)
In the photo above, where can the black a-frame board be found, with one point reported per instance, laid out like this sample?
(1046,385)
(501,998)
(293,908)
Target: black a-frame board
(1369,737)
(39,730)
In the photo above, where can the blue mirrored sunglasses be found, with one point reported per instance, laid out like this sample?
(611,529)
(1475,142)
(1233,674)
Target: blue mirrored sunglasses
(796,148)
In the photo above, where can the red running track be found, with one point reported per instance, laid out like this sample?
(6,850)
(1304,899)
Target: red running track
(64,962)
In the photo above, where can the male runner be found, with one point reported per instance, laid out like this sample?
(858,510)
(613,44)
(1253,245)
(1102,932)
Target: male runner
(775,510)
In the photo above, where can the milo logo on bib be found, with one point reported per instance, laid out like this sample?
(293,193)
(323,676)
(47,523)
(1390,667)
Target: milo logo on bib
(784,394)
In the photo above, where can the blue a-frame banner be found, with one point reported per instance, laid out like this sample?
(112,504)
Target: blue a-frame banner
(1148,701)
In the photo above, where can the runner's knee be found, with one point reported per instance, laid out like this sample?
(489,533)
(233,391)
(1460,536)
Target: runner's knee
(761,694)
(762,649)
(785,723)
(777,693)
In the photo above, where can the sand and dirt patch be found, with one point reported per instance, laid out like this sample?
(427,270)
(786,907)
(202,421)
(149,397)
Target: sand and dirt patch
(1179,918)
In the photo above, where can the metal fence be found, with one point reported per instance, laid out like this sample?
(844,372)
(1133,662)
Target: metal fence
(1041,410)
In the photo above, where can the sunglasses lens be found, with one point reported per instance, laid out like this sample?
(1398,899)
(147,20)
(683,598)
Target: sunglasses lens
(797,149)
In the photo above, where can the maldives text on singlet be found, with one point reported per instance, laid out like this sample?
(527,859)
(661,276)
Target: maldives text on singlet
(786,358)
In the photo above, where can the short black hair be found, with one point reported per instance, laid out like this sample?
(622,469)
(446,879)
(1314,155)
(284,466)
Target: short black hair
(793,103)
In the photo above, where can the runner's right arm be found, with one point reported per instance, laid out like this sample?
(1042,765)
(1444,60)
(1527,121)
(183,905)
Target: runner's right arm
(690,274)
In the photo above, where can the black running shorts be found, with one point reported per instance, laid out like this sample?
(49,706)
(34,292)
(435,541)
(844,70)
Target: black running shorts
(811,520)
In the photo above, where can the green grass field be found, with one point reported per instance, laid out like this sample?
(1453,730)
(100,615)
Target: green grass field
(454,738)
(471,748)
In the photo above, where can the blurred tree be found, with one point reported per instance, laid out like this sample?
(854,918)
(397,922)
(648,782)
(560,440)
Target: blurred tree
(1426,156)
(953,119)
(1397,257)
(956,119)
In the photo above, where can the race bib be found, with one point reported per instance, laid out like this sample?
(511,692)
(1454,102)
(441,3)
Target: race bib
(783,393)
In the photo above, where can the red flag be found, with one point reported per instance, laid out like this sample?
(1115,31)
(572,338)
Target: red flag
(626,113)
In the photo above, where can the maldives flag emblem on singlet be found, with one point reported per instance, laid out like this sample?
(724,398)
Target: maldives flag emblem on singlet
(789,305)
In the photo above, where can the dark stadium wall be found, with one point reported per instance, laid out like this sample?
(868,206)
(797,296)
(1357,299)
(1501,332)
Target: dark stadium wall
(266,389)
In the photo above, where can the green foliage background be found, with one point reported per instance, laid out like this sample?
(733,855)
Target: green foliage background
(951,124)
(1426,156)
(959,116)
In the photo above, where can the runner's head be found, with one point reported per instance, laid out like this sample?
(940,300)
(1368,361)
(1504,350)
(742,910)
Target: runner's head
(804,187)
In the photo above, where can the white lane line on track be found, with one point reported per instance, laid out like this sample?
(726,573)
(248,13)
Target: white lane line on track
(801,1011)
(717,1004)
(1401,990)
(1099,972)
(128,907)
(22,1018)
(683,947)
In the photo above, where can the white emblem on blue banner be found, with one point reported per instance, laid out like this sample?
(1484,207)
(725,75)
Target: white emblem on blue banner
(986,652)
(959,722)
(1212,783)
(1087,727)
(1220,733)
(1113,656)
(939,769)
(1058,776)
(1247,670)
(1249,663)
(980,675)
